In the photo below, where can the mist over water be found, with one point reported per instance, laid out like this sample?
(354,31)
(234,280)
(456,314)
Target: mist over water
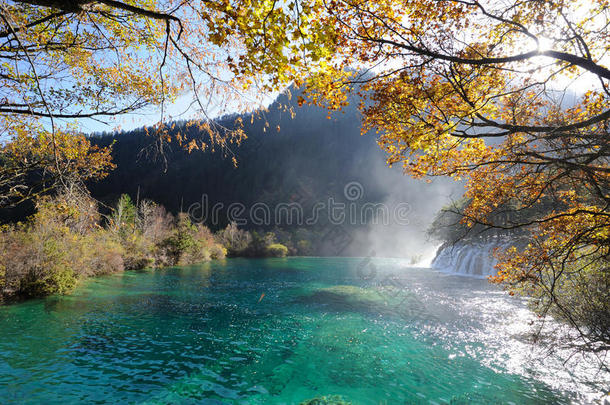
(407,239)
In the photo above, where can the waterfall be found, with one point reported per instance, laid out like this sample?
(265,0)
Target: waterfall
(471,258)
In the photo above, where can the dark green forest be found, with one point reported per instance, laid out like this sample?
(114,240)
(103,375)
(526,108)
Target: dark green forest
(311,159)
(310,155)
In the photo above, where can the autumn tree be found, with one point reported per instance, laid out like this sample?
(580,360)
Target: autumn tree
(463,88)
(65,62)
(36,162)
(514,98)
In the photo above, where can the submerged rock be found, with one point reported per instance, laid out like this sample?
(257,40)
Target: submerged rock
(386,300)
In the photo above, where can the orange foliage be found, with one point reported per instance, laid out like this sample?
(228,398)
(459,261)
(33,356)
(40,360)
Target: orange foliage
(479,91)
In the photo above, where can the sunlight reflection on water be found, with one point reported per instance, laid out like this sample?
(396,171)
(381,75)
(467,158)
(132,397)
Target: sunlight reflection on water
(203,334)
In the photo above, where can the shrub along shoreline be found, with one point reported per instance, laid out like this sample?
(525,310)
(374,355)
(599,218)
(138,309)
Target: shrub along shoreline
(68,240)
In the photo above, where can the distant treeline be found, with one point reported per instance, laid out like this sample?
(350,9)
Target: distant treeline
(67,240)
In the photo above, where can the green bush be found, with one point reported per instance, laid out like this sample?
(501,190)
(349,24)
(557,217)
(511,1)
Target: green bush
(217,252)
(137,252)
(42,257)
(276,250)
(235,241)
(189,243)
(102,254)
(124,218)
(58,279)
(56,247)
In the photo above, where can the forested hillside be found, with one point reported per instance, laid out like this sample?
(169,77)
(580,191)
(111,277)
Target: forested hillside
(305,157)
(308,151)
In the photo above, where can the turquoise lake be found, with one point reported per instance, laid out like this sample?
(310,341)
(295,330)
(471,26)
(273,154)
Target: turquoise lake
(274,331)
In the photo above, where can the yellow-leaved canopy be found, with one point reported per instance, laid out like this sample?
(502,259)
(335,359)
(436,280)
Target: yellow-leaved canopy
(69,60)
(514,99)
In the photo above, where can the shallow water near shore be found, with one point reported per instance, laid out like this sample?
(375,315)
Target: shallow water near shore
(277,331)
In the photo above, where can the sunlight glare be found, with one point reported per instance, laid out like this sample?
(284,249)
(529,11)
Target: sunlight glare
(544,44)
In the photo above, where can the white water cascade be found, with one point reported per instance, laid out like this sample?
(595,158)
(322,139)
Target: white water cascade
(473,259)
